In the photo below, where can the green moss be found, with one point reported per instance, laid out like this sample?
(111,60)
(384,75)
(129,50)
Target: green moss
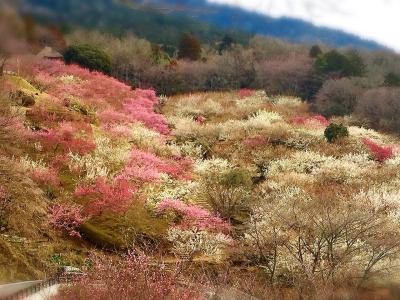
(116,231)
(101,236)
(23,85)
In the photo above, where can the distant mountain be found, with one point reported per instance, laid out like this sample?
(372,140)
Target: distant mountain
(290,29)
(162,21)
(122,16)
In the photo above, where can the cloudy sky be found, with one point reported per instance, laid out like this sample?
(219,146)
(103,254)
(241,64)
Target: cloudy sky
(378,20)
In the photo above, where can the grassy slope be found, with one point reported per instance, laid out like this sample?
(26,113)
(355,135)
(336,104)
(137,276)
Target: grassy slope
(26,250)
(27,246)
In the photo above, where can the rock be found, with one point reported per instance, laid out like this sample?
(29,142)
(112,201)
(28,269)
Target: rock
(22,98)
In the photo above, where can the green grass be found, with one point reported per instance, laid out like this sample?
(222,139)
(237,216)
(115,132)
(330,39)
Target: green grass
(23,85)
(117,232)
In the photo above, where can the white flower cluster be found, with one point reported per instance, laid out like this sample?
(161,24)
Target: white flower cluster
(142,133)
(192,149)
(104,161)
(385,197)
(359,133)
(185,127)
(150,140)
(260,120)
(300,162)
(204,167)
(170,189)
(32,165)
(189,242)
(263,118)
(301,138)
(194,105)
(253,102)
(67,79)
(395,160)
(349,167)
(291,102)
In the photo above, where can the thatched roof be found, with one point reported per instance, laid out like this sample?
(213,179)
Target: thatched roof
(48,52)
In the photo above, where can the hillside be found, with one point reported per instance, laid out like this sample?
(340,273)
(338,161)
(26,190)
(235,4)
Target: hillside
(213,178)
(289,29)
(162,21)
(120,18)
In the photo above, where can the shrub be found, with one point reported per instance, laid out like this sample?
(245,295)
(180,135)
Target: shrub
(189,47)
(315,51)
(257,141)
(338,64)
(352,242)
(314,121)
(335,131)
(89,57)
(337,97)
(47,179)
(228,192)
(288,76)
(145,166)
(193,216)
(67,218)
(141,109)
(380,153)
(245,93)
(69,137)
(380,108)
(102,195)
(356,66)
(131,277)
(392,79)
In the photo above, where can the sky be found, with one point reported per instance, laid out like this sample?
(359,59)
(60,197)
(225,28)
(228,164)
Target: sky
(377,20)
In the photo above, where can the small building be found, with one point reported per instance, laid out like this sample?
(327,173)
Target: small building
(49,53)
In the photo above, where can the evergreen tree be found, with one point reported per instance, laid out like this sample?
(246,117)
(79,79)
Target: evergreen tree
(392,79)
(226,43)
(315,51)
(89,57)
(189,47)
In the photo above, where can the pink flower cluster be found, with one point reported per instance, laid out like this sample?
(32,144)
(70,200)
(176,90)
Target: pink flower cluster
(200,119)
(380,153)
(257,141)
(102,195)
(65,121)
(245,93)
(68,137)
(115,101)
(141,109)
(314,121)
(46,178)
(94,88)
(67,218)
(146,167)
(194,216)
(134,277)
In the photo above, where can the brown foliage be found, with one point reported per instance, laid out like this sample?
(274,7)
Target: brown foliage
(381,108)
(337,97)
(285,76)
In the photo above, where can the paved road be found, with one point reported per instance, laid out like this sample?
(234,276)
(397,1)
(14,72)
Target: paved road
(13,288)
(45,293)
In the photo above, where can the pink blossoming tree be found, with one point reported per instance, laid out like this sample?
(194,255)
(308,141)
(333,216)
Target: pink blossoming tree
(193,216)
(380,153)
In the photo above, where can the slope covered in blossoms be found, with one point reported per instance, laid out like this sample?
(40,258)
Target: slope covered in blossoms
(100,153)
(238,179)
(315,211)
